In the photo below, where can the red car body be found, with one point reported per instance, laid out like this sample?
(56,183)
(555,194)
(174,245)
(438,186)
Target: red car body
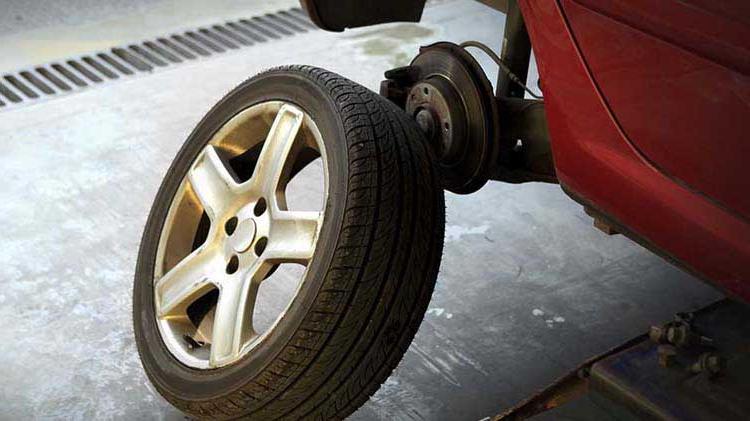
(648,106)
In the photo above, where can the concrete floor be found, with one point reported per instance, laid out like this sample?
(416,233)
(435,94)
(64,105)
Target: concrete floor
(527,288)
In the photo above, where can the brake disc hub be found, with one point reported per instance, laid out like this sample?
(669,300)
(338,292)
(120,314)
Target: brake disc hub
(449,96)
(436,106)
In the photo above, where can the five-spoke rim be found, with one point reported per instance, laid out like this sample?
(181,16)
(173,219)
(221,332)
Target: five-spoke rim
(244,229)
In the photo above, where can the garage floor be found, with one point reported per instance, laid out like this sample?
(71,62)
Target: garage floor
(527,288)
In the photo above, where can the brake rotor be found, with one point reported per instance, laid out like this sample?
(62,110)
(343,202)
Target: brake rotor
(453,102)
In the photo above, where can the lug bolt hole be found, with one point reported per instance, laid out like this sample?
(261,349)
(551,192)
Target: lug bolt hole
(447,126)
(230,225)
(426,91)
(260,245)
(260,207)
(233,264)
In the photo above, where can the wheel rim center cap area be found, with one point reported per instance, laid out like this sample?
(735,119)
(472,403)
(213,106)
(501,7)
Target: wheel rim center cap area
(243,236)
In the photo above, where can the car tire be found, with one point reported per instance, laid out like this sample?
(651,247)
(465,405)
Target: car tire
(367,285)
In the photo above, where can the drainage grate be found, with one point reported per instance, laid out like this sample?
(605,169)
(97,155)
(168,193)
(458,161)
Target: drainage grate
(75,74)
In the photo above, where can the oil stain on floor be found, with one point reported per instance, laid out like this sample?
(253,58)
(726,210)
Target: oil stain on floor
(395,43)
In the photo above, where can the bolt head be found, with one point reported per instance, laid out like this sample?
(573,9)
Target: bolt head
(667,355)
(714,363)
(657,334)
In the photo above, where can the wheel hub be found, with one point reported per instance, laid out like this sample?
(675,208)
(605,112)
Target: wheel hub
(446,126)
(243,236)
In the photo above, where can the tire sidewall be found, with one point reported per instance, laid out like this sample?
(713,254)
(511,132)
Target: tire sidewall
(164,370)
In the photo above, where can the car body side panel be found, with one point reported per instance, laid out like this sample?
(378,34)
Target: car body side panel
(675,77)
(596,160)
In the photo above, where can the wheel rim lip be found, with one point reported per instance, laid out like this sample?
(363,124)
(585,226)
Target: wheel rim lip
(169,337)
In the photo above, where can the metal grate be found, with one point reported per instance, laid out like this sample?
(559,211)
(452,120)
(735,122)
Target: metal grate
(75,74)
